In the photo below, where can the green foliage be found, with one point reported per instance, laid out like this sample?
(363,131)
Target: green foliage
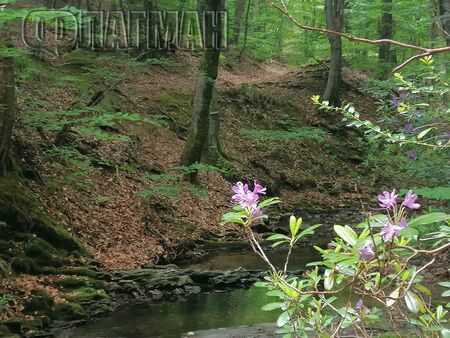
(437,193)
(5,300)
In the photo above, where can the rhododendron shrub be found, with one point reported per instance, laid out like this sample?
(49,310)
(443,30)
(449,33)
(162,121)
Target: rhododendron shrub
(369,276)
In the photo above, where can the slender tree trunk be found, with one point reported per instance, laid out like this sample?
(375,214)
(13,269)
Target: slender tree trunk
(207,73)
(238,15)
(334,12)
(212,151)
(244,46)
(444,11)
(7,111)
(386,53)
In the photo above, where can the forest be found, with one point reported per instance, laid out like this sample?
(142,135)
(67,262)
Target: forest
(224,168)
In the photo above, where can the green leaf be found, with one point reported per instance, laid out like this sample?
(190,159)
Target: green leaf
(268,202)
(276,237)
(272,306)
(394,294)
(430,218)
(329,279)
(412,302)
(346,233)
(423,133)
(283,319)
(423,289)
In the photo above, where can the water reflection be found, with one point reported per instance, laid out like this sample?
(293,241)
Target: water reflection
(172,319)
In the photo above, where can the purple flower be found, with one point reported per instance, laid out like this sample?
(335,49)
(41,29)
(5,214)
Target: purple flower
(410,200)
(359,305)
(388,199)
(247,198)
(395,101)
(258,188)
(412,155)
(390,231)
(366,253)
(408,128)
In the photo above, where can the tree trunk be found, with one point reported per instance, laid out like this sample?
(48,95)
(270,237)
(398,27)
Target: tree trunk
(212,151)
(444,11)
(334,12)
(238,15)
(7,111)
(208,70)
(249,3)
(386,53)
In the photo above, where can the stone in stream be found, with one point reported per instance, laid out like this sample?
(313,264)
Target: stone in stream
(251,331)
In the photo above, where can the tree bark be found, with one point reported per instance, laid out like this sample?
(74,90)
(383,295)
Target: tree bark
(385,52)
(244,47)
(207,73)
(238,15)
(444,11)
(334,12)
(211,153)
(7,111)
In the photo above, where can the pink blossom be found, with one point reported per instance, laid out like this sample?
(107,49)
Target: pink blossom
(366,253)
(390,231)
(410,200)
(388,199)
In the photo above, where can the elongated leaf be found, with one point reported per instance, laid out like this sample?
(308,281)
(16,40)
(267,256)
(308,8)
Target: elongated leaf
(269,201)
(276,237)
(423,133)
(431,218)
(272,306)
(283,319)
(345,234)
(394,294)
(412,302)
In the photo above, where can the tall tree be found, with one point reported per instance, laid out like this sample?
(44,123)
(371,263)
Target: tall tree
(208,69)
(7,111)
(238,16)
(444,11)
(334,13)
(386,53)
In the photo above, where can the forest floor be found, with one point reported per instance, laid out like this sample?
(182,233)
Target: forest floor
(126,197)
(102,204)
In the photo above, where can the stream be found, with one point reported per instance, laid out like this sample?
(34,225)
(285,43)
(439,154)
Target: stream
(202,311)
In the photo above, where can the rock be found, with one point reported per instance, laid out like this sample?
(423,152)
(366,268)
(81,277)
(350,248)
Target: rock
(39,302)
(4,269)
(68,311)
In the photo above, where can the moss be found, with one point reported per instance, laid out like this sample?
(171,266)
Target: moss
(177,104)
(39,302)
(30,239)
(85,272)
(25,265)
(68,311)
(4,268)
(71,283)
(86,296)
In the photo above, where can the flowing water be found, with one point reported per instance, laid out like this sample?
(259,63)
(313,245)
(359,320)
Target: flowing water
(201,311)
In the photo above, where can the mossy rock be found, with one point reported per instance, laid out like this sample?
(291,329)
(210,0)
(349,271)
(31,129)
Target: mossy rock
(39,302)
(4,269)
(83,272)
(68,311)
(25,265)
(30,239)
(72,283)
(86,296)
